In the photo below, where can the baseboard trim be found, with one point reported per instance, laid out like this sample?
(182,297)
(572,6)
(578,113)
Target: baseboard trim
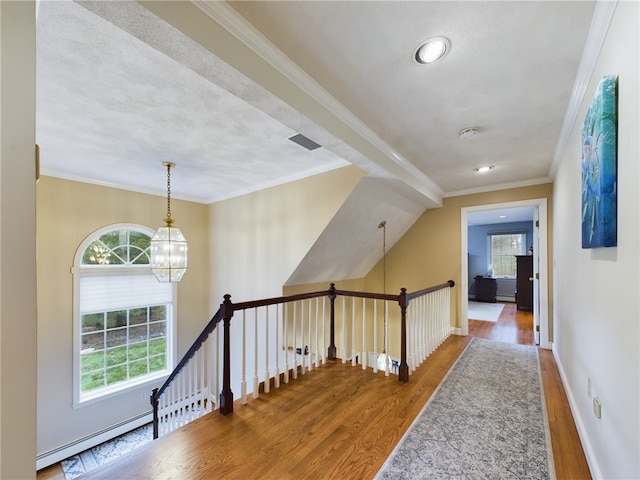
(65,451)
(582,431)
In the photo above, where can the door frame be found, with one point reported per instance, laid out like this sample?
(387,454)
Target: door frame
(541,303)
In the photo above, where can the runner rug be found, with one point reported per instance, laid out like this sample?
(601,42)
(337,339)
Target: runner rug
(486,420)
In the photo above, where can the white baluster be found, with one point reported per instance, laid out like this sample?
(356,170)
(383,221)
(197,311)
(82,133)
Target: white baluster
(285,343)
(276,378)
(353,332)
(375,335)
(256,381)
(344,329)
(316,349)
(324,323)
(386,338)
(267,375)
(243,382)
(309,345)
(364,333)
(294,372)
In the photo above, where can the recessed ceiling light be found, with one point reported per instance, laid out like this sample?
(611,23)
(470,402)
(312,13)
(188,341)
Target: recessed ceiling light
(431,50)
(484,168)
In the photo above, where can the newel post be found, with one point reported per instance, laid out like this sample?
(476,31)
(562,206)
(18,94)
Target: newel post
(403,371)
(226,396)
(331,353)
(154,404)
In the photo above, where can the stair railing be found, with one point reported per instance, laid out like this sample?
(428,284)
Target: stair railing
(282,337)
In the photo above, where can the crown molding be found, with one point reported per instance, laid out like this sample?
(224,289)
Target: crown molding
(241,29)
(499,186)
(602,15)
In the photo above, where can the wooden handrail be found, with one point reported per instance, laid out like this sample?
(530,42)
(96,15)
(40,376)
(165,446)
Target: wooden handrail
(227,309)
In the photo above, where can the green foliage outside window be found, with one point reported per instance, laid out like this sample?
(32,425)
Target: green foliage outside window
(133,344)
(504,248)
(118,247)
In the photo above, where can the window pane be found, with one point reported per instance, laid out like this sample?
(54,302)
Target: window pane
(92,322)
(157,329)
(157,364)
(92,341)
(137,316)
(138,368)
(116,356)
(97,253)
(116,338)
(138,334)
(116,374)
(158,312)
(90,362)
(139,240)
(157,347)
(139,257)
(138,351)
(92,381)
(504,247)
(120,255)
(117,319)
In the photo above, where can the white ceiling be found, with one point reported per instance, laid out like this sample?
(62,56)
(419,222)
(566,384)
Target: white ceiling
(119,91)
(122,87)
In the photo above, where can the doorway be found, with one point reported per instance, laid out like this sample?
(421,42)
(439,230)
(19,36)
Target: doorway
(538,207)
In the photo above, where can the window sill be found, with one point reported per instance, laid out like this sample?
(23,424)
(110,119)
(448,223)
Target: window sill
(147,384)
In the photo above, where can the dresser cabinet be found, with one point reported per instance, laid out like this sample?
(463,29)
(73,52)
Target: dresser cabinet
(485,289)
(524,282)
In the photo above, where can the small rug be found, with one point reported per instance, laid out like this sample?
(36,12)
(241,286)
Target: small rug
(106,452)
(489,312)
(487,420)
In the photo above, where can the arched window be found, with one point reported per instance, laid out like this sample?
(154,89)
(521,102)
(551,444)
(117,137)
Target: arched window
(123,315)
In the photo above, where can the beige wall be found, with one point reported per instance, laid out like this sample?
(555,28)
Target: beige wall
(68,212)
(430,252)
(17,241)
(259,239)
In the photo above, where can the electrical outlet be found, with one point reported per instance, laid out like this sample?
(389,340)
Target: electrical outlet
(589,387)
(597,407)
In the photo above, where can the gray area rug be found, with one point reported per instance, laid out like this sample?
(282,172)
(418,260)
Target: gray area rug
(106,452)
(486,420)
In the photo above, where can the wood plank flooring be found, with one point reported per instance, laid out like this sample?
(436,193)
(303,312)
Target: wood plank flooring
(336,422)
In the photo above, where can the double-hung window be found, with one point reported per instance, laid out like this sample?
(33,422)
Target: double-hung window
(123,315)
(503,247)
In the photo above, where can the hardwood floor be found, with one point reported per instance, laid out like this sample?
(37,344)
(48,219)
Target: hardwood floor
(335,422)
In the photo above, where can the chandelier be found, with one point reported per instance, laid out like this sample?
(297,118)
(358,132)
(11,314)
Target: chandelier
(168,245)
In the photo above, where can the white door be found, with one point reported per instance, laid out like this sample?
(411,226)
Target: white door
(536,276)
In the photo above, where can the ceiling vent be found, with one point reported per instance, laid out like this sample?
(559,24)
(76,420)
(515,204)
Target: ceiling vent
(304,142)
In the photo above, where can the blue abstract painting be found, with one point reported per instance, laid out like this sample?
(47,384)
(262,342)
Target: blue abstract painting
(599,168)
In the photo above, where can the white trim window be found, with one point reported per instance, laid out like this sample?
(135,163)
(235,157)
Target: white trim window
(123,317)
(503,247)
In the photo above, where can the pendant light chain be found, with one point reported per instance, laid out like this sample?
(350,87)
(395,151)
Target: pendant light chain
(169,165)
(383,226)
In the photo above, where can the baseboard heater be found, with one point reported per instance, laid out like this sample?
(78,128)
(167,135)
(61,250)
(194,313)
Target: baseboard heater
(70,449)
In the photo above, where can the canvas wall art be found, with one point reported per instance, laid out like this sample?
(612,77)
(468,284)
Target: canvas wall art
(599,168)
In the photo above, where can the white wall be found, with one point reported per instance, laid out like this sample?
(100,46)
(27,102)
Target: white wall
(596,327)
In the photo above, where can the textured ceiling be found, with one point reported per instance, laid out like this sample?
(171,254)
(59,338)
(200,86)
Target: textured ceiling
(120,91)
(113,105)
(218,88)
